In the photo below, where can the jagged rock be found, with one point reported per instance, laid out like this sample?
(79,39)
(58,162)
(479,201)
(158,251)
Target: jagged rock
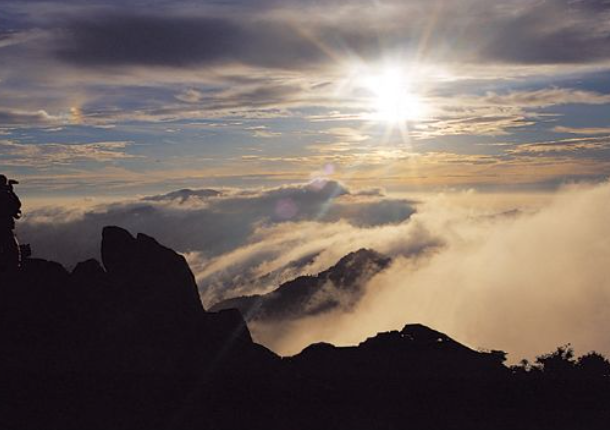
(156,307)
(150,273)
(140,314)
(340,286)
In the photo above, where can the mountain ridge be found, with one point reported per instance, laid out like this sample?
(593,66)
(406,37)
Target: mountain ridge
(339,287)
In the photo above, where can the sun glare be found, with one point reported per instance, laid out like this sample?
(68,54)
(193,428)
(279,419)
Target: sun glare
(393,98)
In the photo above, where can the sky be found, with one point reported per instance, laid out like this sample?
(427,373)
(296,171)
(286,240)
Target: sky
(114,98)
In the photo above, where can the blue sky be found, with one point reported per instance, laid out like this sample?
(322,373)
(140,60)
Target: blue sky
(98,98)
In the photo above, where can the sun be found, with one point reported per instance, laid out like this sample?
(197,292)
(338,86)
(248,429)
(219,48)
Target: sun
(392,97)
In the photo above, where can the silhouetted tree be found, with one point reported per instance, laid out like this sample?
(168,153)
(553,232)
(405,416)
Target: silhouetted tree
(498,355)
(593,365)
(558,364)
(524,368)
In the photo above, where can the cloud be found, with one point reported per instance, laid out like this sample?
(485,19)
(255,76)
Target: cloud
(485,122)
(262,131)
(190,96)
(545,97)
(562,146)
(179,41)
(496,114)
(458,114)
(552,32)
(254,100)
(502,165)
(305,35)
(46,154)
(20,117)
(347,134)
(269,60)
(523,281)
(524,276)
(209,225)
(12,38)
(268,259)
(582,130)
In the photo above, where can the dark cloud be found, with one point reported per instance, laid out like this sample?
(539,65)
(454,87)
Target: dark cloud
(14,117)
(148,40)
(553,32)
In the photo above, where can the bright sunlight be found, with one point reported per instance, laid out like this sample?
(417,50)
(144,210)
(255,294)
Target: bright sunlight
(394,100)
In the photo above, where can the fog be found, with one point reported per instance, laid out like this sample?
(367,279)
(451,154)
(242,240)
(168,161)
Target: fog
(524,276)
(521,282)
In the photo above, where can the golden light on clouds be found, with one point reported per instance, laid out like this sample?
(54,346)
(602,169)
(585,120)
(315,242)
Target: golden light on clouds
(76,115)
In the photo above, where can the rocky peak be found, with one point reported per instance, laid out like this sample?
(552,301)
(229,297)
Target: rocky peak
(139,312)
(355,266)
(151,271)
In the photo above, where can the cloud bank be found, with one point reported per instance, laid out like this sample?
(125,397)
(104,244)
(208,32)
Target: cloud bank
(225,234)
(521,280)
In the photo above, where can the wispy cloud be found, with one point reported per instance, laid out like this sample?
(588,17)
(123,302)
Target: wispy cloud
(27,118)
(48,154)
(582,130)
(544,98)
(564,145)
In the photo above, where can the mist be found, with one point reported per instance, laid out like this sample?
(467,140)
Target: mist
(523,276)
(524,282)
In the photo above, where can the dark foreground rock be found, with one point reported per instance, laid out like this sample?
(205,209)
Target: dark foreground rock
(127,345)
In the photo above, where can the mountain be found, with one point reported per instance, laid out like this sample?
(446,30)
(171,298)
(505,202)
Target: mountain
(415,352)
(340,286)
(126,344)
(131,314)
(184,195)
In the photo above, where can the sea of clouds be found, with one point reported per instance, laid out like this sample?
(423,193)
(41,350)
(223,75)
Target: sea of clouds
(524,279)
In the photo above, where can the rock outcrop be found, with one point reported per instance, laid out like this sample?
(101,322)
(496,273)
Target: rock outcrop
(140,312)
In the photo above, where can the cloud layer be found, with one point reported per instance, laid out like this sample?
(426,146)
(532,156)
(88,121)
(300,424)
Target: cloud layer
(231,237)
(524,282)
(524,278)
(550,32)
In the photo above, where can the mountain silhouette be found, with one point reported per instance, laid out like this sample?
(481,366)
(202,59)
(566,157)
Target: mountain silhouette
(185,195)
(340,286)
(126,344)
(141,307)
